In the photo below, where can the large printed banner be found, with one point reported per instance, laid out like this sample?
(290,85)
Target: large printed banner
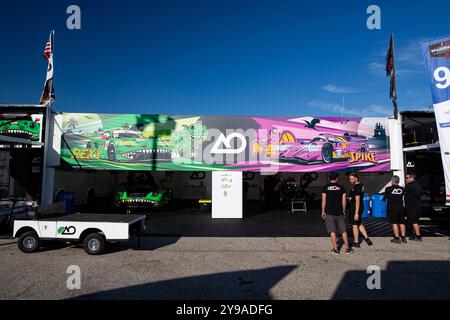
(210,143)
(436,53)
(22,126)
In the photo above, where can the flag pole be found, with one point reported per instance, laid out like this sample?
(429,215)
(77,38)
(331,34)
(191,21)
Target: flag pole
(46,194)
(394,75)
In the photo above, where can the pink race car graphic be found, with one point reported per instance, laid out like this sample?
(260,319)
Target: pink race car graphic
(326,148)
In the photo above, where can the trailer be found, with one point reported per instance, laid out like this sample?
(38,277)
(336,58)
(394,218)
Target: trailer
(93,231)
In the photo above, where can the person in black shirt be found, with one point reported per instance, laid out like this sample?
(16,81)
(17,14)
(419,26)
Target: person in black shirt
(333,212)
(413,205)
(393,196)
(356,210)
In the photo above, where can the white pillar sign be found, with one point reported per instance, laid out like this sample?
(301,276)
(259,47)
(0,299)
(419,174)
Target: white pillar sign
(227,194)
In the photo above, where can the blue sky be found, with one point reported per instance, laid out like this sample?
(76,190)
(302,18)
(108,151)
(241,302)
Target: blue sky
(217,57)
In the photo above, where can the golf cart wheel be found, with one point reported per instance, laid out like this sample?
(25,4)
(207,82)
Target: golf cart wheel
(28,242)
(94,244)
(327,153)
(111,153)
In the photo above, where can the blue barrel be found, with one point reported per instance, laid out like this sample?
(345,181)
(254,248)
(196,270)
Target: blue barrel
(68,199)
(367,206)
(379,207)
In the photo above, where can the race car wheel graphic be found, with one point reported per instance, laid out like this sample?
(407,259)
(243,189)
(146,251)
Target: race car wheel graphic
(111,153)
(363,149)
(327,153)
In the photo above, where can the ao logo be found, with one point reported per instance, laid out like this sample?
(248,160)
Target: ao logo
(226,141)
(333,188)
(397,191)
(68,230)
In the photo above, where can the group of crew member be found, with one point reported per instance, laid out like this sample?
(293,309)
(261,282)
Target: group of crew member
(403,202)
(400,201)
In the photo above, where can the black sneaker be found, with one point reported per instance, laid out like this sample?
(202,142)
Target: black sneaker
(356,245)
(369,242)
(396,240)
(404,240)
(412,238)
(349,251)
(334,251)
(418,238)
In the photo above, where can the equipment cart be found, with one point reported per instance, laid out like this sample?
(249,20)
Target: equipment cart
(92,230)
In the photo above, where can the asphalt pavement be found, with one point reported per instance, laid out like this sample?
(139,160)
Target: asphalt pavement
(229,268)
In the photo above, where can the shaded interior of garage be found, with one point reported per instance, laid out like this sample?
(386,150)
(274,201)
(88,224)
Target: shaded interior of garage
(263,215)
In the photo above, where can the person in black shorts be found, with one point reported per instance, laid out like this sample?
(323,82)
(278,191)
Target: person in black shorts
(413,205)
(356,210)
(393,196)
(333,212)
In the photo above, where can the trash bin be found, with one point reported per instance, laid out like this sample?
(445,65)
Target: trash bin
(205,205)
(367,201)
(68,199)
(379,207)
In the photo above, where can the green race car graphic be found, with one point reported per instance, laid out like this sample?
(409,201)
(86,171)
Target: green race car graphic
(128,145)
(21,127)
(142,192)
(186,142)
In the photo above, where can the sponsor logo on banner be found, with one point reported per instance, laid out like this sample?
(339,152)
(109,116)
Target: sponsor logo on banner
(440,50)
(226,141)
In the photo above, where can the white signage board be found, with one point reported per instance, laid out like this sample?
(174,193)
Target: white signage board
(436,53)
(227,194)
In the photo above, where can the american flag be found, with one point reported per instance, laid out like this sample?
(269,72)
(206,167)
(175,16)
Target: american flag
(48,94)
(48,50)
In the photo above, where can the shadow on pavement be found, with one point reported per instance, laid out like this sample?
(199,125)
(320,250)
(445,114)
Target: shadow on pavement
(400,280)
(249,284)
(146,243)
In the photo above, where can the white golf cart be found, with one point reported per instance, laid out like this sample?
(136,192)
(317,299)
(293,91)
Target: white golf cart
(91,230)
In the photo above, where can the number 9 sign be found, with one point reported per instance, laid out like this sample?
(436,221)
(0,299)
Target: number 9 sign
(442,75)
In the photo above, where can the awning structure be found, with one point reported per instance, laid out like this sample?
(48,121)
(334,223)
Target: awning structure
(431,146)
(215,143)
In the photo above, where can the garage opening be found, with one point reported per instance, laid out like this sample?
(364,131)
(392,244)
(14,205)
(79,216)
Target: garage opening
(21,159)
(171,201)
